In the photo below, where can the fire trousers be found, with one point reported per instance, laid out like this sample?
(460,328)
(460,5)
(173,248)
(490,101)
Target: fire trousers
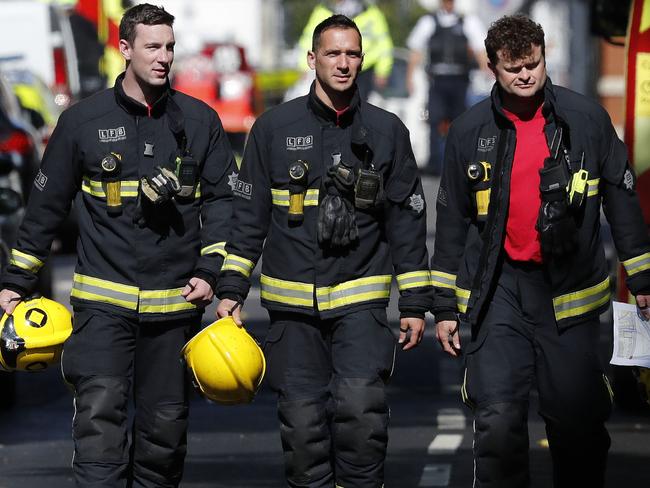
(330,377)
(107,357)
(518,346)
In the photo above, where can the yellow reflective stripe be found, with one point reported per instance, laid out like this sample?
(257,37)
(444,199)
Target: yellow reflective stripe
(218,248)
(197,193)
(443,280)
(281,197)
(462,299)
(637,264)
(96,188)
(239,264)
(163,301)
(97,290)
(25,261)
(593,187)
(287,292)
(413,279)
(583,301)
(354,291)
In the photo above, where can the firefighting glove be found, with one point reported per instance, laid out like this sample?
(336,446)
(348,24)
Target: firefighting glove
(161,186)
(556,226)
(337,222)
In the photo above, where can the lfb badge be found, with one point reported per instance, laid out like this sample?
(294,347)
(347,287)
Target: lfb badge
(416,202)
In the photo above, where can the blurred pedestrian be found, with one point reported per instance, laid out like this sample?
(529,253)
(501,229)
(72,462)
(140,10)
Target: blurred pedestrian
(451,45)
(378,45)
(329,194)
(147,168)
(518,255)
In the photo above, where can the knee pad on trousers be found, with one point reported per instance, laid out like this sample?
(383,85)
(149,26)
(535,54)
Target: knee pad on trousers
(304,429)
(100,421)
(501,445)
(360,425)
(159,445)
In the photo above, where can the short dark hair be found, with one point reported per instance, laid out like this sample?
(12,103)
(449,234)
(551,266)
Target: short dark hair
(337,21)
(146,14)
(513,35)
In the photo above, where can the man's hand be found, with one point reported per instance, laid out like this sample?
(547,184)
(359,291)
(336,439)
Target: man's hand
(8,300)
(447,334)
(229,307)
(198,292)
(642,301)
(416,326)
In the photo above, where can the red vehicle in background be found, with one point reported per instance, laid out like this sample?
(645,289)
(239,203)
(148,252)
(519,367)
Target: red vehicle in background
(221,76)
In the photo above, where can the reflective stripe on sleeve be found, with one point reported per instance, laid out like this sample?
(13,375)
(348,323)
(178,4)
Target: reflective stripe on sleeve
(97,290)
(239,264)
(592,186)
(580,302)
(25,261)
(163,301)
(354,291)
(462,299)
(287,292)
(281,197)
(443,280)
(637,264)
(218,248)
(413,279)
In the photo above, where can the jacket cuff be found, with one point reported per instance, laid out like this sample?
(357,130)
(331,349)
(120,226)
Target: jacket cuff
(440,316)
(411,315)
(639,284)
(232,285)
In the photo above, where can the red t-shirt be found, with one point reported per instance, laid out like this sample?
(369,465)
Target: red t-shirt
(522,239)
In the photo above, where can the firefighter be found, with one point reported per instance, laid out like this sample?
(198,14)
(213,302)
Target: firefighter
(329,191)
(147,170)
(519,256)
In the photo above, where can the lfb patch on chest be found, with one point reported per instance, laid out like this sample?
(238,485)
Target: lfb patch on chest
(112,135)
(486,144)
(300,143)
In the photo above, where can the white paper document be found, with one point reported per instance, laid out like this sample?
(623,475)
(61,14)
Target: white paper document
(631,337)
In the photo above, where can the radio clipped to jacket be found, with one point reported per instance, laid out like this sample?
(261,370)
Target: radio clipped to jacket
(187,172)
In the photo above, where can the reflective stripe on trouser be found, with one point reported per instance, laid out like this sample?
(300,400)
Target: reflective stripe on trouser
(92,289)
(519,344)
(330,377)
(103,357)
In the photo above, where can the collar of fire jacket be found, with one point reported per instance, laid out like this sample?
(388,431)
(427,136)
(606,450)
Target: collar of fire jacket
(328,115)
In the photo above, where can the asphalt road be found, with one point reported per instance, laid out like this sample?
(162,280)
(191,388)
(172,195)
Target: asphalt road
(239,447)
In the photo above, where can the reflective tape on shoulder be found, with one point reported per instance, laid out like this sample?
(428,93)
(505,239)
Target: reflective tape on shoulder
(287,292)
(98,290)
(281,197)
(583,301)
(353,292)
(239,264)
(414,279)
(637,264)
(25,261)
(217,248)
(163,301)
(442,279)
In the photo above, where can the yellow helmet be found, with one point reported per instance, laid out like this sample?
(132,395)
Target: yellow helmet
(31,338)
(226,363)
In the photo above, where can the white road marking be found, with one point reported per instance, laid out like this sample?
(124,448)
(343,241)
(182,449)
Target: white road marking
(451,418)
(436,475)
(445,444)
